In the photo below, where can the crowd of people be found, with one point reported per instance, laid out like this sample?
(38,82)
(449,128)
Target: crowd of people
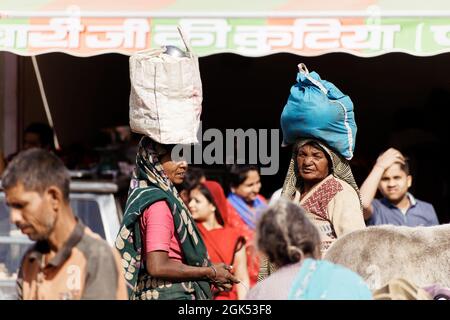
(182,237)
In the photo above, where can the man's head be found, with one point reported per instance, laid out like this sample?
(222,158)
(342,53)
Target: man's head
(395,182)
(36,185)
(38,135)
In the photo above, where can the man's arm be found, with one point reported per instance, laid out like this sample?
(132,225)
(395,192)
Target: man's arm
(102,279)
(370,185)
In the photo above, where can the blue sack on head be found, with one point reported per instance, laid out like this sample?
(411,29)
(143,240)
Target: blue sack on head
(318,109)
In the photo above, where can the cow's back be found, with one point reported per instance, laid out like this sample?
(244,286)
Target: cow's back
(380,253)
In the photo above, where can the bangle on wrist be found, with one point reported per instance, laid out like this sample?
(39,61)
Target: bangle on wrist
(215,272)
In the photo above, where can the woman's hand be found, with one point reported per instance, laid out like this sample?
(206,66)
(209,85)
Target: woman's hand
(222,278)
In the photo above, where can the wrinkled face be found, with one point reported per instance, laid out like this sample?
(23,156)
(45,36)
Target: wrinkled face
(200,207)
(33,213)
(31,140)
(312,164)
(175,170)
(394,183)
(249,189)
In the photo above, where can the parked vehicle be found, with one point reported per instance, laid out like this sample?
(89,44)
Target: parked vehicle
(95,203)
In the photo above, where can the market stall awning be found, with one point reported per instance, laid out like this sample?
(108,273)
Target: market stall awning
(251,28)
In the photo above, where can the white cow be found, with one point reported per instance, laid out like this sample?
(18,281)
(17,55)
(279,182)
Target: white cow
(380,253)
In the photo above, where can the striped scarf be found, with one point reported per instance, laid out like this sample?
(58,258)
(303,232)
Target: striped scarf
(247,215)
(150,184)
(292,185)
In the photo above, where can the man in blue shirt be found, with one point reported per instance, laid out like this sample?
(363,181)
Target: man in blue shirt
(398,207)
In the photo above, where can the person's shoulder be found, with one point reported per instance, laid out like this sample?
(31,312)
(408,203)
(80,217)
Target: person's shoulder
(344,188)
(27,257)
(261,290)
(254,292)
(159,205)
(275,196)
(344,184)
(92,245)
(261,197)
(378,202)
(424,204)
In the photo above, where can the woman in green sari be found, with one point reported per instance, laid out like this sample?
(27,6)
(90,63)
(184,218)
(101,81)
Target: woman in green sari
(163,255)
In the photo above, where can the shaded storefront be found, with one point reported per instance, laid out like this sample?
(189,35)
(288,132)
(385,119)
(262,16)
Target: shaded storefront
(389,56)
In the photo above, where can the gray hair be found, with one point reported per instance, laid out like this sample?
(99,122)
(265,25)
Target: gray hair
(285,234)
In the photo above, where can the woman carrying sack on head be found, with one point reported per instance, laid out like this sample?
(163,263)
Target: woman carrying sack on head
(319,178)
(163,254)
(323,184)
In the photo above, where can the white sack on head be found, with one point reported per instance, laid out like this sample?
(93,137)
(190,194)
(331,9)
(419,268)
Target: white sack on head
(166,96)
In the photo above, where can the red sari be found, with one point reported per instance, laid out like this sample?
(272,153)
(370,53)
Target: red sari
(221,243)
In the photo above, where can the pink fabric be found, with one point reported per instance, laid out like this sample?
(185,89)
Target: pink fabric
(158,230)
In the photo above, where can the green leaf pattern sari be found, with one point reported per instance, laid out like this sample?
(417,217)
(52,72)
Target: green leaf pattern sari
(148,185)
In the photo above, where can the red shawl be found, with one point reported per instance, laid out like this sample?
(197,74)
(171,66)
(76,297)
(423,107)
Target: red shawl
(221,243)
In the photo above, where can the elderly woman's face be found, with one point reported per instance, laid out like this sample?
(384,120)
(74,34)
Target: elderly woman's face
(175,170)
(312,163)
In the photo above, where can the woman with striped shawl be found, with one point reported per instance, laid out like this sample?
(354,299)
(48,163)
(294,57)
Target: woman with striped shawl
(321,181)
(163,255)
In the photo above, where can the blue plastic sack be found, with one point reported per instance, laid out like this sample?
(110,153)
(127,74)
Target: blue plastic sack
(318,109)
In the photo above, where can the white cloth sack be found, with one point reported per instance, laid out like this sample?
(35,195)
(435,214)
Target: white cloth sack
(166,96)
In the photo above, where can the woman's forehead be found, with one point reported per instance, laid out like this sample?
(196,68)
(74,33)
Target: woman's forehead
(310,147)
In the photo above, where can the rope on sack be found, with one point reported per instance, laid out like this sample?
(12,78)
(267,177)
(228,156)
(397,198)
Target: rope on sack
(304,70)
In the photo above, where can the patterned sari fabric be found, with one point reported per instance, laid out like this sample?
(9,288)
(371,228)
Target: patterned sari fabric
(148,185)
(316,202)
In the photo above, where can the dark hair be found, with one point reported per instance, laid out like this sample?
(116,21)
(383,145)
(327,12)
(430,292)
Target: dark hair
(285,234)
(192,178)
(405,166)
(205,191)
(237,173)
(37,169)
(163,149)
(45,133)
